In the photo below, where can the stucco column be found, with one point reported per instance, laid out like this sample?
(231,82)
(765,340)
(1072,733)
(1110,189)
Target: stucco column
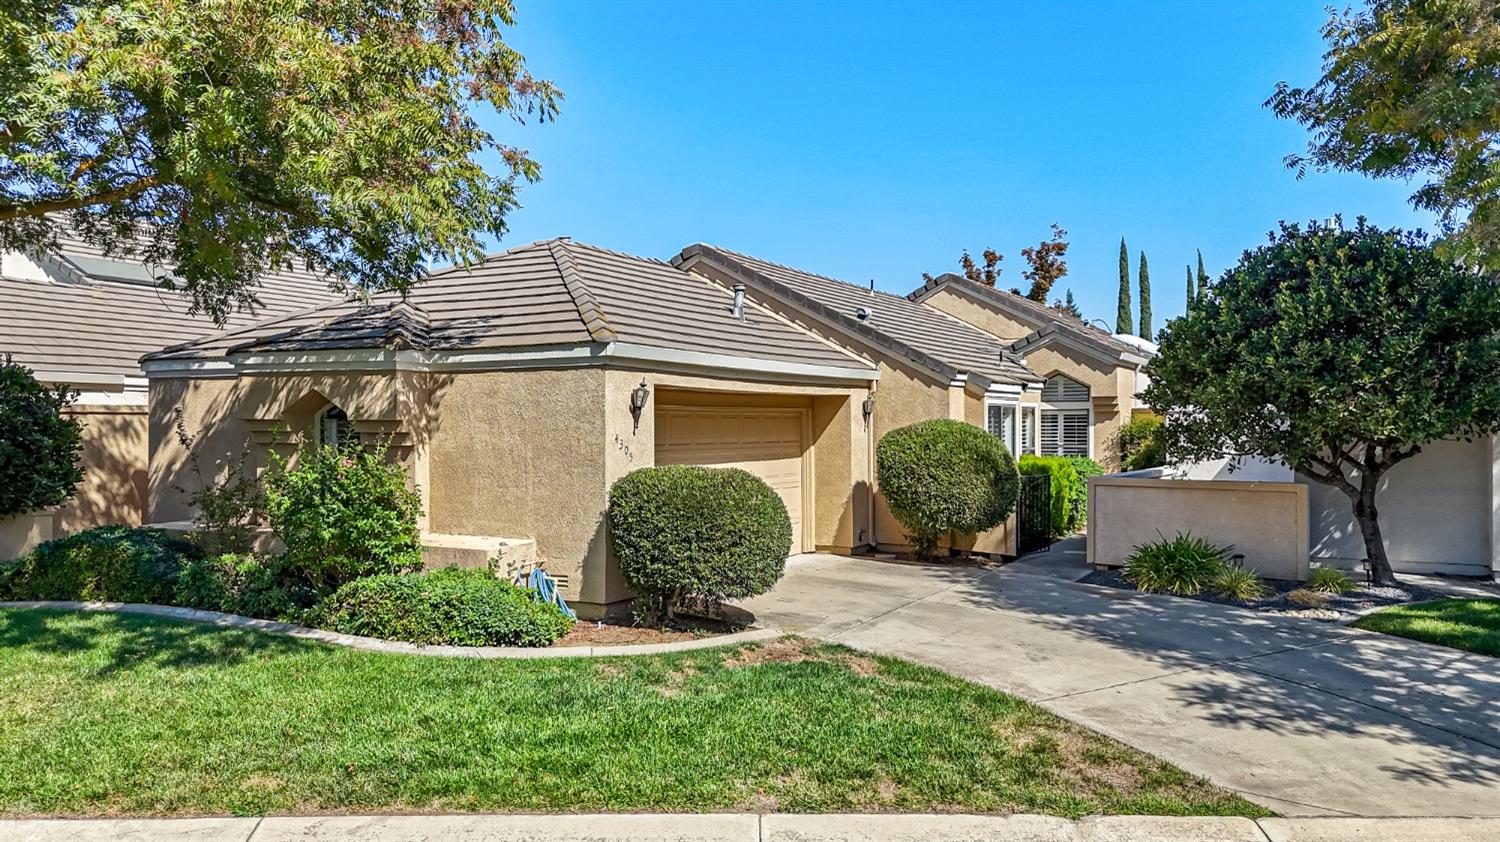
(1495,507)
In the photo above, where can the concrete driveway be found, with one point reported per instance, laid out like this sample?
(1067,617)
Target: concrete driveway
(1304,717)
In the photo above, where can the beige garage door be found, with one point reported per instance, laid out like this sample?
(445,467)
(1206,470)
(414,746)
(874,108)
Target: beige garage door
(765,442)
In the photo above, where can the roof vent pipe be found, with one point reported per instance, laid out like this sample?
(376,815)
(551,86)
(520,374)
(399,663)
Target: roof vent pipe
(738,308)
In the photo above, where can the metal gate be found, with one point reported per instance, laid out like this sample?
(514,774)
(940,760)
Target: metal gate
(1034,513)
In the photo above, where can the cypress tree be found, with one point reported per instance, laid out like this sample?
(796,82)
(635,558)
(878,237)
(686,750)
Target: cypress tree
(1202,276)
(1143,280)
(1122,316)
(1189,269)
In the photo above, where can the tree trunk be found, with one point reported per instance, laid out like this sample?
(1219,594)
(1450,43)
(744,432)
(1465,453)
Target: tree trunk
(1368,518)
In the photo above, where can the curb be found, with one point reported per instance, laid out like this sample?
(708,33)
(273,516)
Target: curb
(375,644)
(749,827)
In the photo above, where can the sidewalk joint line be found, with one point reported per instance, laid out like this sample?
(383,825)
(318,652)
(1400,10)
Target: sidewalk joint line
(255,828)
(1209,665)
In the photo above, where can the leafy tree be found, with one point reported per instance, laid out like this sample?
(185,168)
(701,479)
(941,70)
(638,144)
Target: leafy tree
(39,445)
(1123,321)
(1202,279)
(1145,285)
(1070,307)
(1409,90)
(1047,265)
(1337,352)
(226,139)
(987,274)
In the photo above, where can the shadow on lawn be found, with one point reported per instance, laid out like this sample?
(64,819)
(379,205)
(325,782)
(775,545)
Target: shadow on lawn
(126,642)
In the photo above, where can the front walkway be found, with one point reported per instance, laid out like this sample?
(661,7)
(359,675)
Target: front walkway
(1304,717)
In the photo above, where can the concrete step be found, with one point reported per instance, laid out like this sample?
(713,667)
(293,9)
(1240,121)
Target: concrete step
(449,550)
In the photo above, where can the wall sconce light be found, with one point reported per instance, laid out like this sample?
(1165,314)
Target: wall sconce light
(638,397)
(869,406)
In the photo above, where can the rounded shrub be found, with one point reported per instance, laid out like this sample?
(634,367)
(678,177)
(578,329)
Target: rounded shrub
(106,564)
(38,444)
(685,535)
(344,513)
(450,607)
(940,477)
(1141,443)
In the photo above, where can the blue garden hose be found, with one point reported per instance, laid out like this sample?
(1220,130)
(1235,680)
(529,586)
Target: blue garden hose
(544,589)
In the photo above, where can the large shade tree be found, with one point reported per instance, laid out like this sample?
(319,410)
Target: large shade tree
(221,140)
(1337,352)
(1411,89)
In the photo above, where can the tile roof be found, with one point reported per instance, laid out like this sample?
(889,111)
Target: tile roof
(95,325)
(1046,319)
(921,334)
(549,293)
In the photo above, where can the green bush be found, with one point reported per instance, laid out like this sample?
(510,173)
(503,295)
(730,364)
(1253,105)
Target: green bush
(1079,502)
(1067,488)
(452,607)
(1237,583)
(105,564)
(1182,565)
(684,535)
(344,513)
(945,477)
(1329,580)
(245,584)
(1141,443)
(38,444)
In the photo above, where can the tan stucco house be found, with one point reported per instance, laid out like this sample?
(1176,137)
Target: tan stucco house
(82,318)
(931,364)
(1091,377)
(516,392)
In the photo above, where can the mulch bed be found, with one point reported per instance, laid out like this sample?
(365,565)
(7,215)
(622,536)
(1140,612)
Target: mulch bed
(591,633)
(1340,606)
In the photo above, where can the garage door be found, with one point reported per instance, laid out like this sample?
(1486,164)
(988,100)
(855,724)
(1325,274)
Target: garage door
(765,442)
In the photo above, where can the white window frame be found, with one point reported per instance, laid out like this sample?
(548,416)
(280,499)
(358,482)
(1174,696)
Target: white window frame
(1010,438)
(1034,412)
(322,434)
(1085,406)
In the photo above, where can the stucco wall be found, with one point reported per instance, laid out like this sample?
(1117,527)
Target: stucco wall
(1435,513)
(115,457)
(985,318)
(1267,522)
(1111,386)
(19,533)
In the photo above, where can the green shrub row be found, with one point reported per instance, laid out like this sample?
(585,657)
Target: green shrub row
(106,564)
(1069,488)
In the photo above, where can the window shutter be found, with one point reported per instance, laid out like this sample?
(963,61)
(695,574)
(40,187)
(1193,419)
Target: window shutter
(1075,433)
(1060,389)
(1028,432)
(1049,434)
(993,422)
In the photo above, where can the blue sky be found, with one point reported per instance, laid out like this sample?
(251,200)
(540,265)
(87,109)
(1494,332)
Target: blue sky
(877,140)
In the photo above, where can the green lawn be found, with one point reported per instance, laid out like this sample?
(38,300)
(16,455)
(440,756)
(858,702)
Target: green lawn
(104,714)
(1472,624)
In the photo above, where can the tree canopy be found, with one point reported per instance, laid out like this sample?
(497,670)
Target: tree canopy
(222,140)
(1337,352)
(1411,89)
(1047,264)
(1124,323)
(1144,282)
(39,442)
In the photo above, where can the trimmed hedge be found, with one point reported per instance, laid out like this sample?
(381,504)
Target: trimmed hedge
(1064,489)
(685,534)
(449,607)
(105,564)
(940,477)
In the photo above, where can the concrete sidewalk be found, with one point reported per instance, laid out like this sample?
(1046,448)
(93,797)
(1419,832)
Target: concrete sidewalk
(1306,718)
(747,827)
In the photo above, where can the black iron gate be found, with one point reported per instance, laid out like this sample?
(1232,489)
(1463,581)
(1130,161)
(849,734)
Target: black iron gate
(1034,513)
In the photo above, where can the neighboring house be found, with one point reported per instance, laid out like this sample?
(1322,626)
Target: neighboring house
(516,392)
(1091,376)
(81,318)
(931,364)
